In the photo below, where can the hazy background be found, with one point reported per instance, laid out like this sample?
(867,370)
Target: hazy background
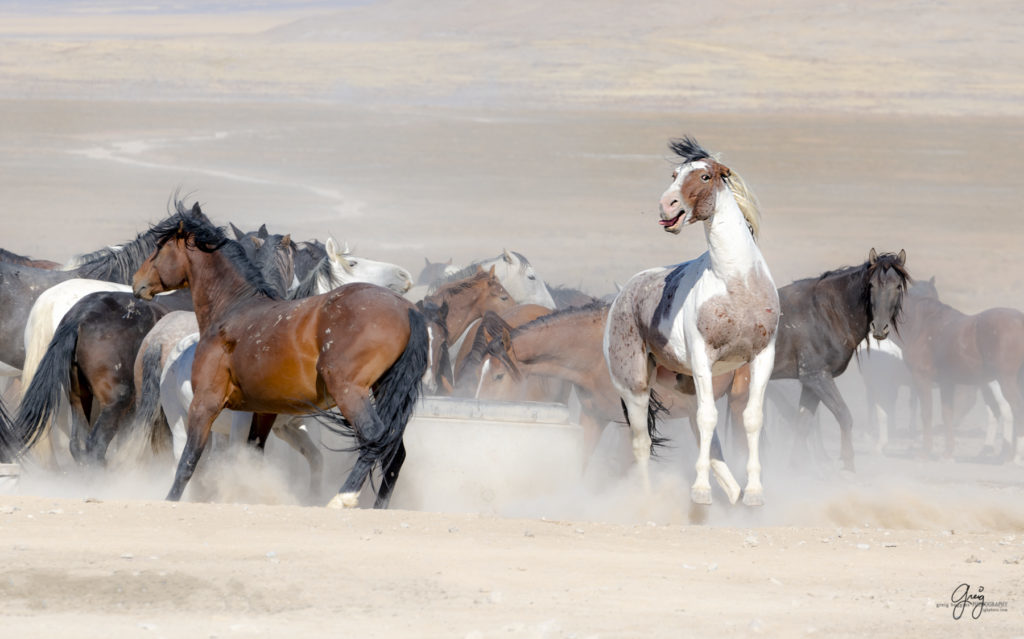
(442,130)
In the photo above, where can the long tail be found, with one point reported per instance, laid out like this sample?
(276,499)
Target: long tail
(149,414)
(6,441)
(655,409)
(398,388)
(42,398)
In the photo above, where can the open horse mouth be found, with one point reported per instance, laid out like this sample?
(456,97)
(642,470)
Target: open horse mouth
(674,224)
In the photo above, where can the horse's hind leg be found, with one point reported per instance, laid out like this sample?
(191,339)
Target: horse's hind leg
(80,408)
(115,401)
(356,407)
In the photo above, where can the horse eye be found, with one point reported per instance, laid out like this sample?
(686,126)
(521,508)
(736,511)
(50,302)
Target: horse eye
(675,174)
(499,376)
(531,277)
(705,177)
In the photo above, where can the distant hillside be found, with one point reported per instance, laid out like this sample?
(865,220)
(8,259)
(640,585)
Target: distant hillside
(791,56)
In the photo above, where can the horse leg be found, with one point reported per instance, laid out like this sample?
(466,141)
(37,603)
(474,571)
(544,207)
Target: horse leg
(996,410)
(635,407)
(722,473)
(825,387)
(923,388)
(293,434)
(80,406)
(115,400)
(1009,386)
(947,401)
(201,413)
(357,408)
(753,420)
(259,430)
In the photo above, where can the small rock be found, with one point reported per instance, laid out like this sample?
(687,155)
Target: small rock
(127,555)
(864,546)
(712,567)
(453,529)
(972,560)
(527,534)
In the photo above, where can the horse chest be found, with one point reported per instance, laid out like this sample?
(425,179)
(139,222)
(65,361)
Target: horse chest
(740,323)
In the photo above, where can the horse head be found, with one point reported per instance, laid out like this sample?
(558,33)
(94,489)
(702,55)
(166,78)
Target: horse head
(347,268)
(887,280)
(695,186)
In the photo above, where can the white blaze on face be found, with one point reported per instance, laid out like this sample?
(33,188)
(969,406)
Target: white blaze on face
(484,371)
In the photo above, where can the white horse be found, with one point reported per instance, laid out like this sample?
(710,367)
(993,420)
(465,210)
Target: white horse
(512,269)
(341,267)
(700,318)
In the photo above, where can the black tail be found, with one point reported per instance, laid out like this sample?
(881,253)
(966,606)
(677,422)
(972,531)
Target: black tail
(655,408)
(51,382)
(394,394)
(149,414)
(7,447)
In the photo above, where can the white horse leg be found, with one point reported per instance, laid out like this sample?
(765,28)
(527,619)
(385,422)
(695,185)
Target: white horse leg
(882,419)
(637,405)
(707,419)
(753,420)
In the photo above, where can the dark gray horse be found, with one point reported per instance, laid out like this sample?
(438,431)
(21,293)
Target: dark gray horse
(822,321)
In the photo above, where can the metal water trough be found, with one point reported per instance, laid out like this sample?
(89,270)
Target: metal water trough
(468,455)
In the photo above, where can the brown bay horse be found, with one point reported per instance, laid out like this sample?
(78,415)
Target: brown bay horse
(360,347)
(946,347)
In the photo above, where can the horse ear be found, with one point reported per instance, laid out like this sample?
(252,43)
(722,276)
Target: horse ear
(872,256)
(724,171)
(237,231)
(506,338)
(505,255)
(490,273)
(196,211)
(449,262)
(902,257)
(932,281)
(331,246)
(426,261)
(480,269)
(345,250)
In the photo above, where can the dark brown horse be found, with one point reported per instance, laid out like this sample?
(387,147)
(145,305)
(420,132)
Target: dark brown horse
(360,347)
(944,346)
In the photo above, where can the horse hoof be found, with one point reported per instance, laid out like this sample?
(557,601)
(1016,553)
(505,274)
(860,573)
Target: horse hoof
(753,498)
(701,496)
(343,501)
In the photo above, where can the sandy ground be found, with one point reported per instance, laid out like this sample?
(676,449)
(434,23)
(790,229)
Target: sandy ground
(443,133)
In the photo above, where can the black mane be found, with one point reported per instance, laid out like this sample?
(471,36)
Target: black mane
(200,233)
(688,149)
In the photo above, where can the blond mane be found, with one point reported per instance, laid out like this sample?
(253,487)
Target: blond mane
(747,202)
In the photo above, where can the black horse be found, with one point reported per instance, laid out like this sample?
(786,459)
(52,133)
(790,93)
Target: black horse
(822,320)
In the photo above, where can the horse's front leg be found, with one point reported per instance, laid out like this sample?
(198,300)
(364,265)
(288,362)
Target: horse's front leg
(204,409)
(753,419)
(707,419)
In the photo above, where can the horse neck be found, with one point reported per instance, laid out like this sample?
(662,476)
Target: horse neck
(216,286)
(568,347)
(462,311)
(731,247)
(855,315)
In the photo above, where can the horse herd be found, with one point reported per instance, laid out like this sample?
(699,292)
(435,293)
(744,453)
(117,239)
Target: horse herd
(188,330)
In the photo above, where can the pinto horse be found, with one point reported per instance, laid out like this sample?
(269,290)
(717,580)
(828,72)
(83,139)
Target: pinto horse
(700,318)
(947,347)
(361,347)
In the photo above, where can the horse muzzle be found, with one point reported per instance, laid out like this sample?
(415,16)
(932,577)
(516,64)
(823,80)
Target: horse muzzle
(879,333)
(143,292)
